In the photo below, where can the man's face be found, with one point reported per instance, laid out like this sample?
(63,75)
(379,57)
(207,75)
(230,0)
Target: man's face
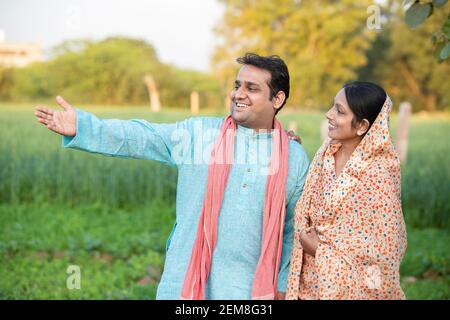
(251,106)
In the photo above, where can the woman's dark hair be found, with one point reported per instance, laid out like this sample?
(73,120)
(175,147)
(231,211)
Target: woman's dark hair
(279,80)
(365,99)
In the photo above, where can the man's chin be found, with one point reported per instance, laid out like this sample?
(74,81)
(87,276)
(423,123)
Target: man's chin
(238,118)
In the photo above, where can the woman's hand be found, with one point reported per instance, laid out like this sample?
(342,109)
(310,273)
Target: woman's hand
(309,240)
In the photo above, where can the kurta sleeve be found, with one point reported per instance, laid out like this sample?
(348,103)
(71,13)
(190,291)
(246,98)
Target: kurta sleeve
(361,259)
(136,139)
(288,236)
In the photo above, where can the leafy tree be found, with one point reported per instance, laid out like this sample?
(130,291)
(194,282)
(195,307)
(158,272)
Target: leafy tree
(323,42)
(110,71)
(403,61)
(418,11)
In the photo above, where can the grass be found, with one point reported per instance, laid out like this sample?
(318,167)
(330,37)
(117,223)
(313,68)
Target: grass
(111,217)
(121,253)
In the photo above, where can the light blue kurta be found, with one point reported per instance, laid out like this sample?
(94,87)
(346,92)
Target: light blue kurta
(187,145)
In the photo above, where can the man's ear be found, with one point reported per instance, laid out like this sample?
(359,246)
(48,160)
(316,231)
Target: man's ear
(279,99)
(363,127)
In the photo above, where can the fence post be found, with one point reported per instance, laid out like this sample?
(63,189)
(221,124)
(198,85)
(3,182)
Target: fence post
(401,141)
(195,104)
(324,130)
(155,104)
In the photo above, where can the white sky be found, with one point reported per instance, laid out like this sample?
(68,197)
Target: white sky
(180,30)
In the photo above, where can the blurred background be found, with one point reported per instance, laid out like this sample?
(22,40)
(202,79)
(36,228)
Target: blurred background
(165,61)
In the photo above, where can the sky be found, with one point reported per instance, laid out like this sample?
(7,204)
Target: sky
(180,30)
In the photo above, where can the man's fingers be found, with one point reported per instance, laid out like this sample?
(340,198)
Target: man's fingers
(44,109)
(43,115)
(63,103)
(49,124)
(44,121)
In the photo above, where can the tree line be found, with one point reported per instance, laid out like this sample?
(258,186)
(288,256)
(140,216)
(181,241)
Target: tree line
(325,44)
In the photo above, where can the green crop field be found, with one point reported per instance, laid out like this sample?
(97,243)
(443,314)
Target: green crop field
(111,217)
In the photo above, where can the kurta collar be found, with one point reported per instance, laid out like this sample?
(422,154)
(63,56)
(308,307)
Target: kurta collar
(252,133)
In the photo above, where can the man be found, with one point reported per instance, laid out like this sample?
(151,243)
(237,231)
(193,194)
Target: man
(239,179)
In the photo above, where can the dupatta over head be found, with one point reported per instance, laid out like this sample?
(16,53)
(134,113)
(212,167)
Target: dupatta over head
(359,220)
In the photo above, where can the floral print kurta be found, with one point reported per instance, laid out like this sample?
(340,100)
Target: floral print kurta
(359,220)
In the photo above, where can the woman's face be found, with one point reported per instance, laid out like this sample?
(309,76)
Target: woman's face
(340,118)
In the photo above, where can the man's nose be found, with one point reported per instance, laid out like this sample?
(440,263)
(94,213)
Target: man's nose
(239,94)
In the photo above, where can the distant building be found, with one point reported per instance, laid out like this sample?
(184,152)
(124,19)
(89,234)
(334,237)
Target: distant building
(18,55)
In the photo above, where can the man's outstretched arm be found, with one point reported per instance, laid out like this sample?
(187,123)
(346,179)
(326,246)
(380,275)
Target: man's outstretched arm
(137,139)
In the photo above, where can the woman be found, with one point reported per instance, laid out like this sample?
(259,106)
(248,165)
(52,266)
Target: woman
(350,235)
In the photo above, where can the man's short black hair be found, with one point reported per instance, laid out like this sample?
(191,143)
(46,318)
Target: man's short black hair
(279,80)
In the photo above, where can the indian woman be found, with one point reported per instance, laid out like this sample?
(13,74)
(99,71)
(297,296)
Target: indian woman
(350,235)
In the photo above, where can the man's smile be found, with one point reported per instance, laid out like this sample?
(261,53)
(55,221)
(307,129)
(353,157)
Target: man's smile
(241,106)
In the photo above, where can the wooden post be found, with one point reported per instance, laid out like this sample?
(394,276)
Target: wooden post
(155,104)
(401,141)
(324,130)
(195,104)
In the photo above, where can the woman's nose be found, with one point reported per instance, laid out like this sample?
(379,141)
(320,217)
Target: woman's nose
(329,114)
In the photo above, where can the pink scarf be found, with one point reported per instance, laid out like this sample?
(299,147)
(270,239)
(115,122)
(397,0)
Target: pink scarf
(266,275)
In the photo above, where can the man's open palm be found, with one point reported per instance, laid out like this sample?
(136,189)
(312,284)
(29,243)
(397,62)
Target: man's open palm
(60,121)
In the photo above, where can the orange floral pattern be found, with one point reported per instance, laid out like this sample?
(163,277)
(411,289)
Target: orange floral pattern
(359,219)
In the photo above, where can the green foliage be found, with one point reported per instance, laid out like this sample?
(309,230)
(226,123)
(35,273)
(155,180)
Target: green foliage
(38,243)
(112,217)
(120,253)
(328,43)
(403,62)
(110,71)
(322,42)
(427,253)
(418,11)
(34,168)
